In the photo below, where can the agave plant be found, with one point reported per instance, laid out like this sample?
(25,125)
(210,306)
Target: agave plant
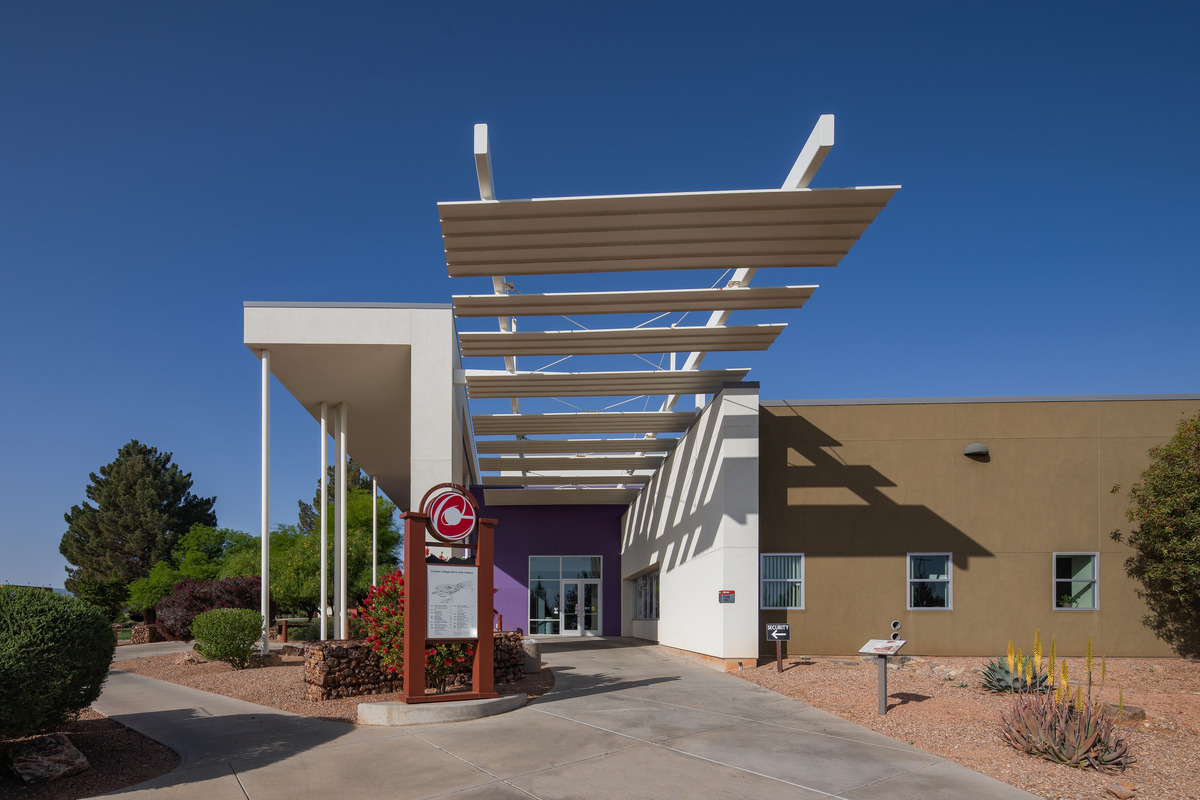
(998,678)
(1066,731)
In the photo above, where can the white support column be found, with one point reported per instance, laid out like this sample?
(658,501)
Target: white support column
(266,496)
(374,532)
(343,619)
(323,519)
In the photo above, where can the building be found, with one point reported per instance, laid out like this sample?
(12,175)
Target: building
(965,521)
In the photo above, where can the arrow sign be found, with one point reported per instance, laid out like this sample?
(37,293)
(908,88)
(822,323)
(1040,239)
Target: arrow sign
(779,631)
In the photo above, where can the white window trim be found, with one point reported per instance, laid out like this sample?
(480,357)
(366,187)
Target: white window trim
(949,581)
(1054,606)
(803,582)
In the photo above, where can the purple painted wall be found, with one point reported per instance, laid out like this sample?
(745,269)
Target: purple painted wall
(524,531)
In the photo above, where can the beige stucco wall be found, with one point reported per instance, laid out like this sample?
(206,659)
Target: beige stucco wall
(858,487)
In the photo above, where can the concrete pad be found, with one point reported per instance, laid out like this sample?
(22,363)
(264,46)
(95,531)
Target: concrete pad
(399,714)
(649,771)
(647,721)
(822,763)
(522,742)
(941,781)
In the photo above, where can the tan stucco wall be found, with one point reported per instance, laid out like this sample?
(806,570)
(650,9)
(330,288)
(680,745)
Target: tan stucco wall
(858,487)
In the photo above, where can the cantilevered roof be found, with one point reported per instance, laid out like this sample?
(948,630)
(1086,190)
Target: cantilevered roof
(713,243)
(738,298)
(628,233)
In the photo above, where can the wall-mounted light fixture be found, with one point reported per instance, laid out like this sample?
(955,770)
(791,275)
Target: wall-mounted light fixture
(978,451)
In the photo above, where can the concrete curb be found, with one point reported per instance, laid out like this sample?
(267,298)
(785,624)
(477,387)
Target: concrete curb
(397,714)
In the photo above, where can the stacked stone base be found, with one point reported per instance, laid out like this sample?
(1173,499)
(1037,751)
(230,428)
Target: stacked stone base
(144,634)
(350,668)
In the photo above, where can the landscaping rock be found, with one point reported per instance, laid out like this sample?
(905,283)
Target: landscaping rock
(1128,713)
(1122,790)
(46,758)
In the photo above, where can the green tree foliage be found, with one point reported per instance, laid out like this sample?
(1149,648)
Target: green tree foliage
(355,479)
(296,555)
(108,596)
(200,555)
(1165,508)
(142,504)
(54,656)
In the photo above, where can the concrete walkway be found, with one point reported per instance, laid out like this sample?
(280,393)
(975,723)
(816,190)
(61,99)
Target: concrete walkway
(626,720)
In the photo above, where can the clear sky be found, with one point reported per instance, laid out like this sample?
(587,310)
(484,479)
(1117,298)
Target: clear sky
(160,163)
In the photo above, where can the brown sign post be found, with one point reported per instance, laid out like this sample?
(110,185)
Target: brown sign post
(449,512)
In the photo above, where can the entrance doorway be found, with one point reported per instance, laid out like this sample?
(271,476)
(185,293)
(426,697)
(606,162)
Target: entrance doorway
(564,595)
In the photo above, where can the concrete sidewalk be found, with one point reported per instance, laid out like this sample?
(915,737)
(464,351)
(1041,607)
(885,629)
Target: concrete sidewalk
(626,720)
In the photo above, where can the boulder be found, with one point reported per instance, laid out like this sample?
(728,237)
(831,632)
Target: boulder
(46,758)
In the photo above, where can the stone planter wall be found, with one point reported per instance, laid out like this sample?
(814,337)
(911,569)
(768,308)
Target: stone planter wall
(144,634)
(349,667)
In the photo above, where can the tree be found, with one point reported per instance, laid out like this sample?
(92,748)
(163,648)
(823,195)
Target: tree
(1165,507)
(200,555)
(108,596)
(143,504)
(355,479)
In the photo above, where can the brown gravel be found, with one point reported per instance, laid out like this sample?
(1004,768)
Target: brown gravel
(936,704)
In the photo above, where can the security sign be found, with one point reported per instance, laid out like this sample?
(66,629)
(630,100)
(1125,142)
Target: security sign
(452,513)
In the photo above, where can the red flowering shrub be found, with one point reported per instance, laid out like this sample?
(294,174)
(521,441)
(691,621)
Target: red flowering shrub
(383,612)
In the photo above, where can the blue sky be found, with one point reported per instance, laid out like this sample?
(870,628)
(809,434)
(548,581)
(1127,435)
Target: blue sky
(160,163)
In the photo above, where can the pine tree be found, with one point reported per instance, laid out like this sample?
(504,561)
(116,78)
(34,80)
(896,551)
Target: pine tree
(143,505)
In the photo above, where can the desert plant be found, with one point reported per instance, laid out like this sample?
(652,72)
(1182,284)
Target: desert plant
(1016,672)
(228,634)
(54,656)
(190,598)
(1066,730)
(1065,727)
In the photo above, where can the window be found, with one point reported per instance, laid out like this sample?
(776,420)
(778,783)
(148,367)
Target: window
(645,593)
(782,580)
(1075,580)
(929,580)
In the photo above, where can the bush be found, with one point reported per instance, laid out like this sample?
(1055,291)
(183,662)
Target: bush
(192,598)
(54,656)
(228,634)
(311,631)
(384,615)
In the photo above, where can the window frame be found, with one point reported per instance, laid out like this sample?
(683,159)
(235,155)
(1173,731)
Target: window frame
(1094,580)
(948,580)
(762,582)
(654,612)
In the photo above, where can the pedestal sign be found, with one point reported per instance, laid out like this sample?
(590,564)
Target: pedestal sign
(447,602)
(779,632)
(882,648)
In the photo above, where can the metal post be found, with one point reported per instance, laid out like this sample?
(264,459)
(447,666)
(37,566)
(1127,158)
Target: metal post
(882,684)
(778,656)
(343,620)
(266,497)
(374,532)
(324,494)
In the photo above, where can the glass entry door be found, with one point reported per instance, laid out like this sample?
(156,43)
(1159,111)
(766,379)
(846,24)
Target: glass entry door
(564,595)
(581,608)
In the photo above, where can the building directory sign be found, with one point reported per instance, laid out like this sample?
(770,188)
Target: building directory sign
(453,602)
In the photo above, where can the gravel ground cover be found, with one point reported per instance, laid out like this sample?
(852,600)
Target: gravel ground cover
(936,704)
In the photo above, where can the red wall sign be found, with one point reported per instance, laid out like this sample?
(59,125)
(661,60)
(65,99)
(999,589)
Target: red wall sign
(452,513)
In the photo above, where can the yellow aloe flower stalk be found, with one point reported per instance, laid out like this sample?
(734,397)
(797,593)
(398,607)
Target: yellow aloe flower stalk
(1037,650)
(1087,661)
(1079,698)
(1053,654)
(1012,655)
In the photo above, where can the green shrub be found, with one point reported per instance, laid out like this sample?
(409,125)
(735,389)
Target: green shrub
(228,634)
(55,652)
(311,631)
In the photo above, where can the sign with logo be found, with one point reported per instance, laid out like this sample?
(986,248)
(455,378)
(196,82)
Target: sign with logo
(779,631)
(452,513)
(882,647)
(725,596)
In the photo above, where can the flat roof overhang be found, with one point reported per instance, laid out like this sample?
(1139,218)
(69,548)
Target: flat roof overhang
(356,353)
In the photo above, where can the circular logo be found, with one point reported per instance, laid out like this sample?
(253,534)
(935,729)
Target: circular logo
(452,515)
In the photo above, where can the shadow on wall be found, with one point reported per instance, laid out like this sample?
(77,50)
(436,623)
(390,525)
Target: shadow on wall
(870,524)
(679,514)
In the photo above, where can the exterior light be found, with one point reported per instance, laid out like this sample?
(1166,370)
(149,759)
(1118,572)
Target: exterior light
(976,450)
